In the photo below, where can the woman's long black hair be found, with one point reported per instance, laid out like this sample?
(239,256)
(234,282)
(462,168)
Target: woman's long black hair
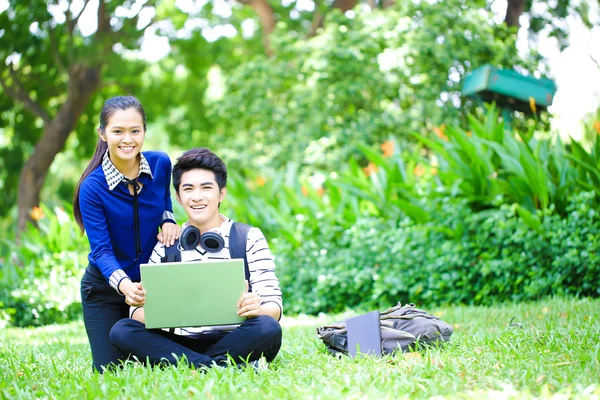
(110,106)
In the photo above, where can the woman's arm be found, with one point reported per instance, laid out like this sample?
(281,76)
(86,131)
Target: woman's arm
(96,227)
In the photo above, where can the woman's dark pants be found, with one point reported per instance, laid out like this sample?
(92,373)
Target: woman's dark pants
(102,308)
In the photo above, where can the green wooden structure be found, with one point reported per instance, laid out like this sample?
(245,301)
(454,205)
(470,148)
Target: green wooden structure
(510,90)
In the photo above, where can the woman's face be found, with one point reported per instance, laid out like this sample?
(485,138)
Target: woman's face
(124,134)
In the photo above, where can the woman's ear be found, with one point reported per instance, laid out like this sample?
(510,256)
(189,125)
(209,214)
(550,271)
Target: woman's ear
(102,135)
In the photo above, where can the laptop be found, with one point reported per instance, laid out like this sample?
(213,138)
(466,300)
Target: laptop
(191,294)
(364,334)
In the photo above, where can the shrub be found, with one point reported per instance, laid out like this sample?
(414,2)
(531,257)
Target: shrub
(487,161)
(39,277)
(457,257)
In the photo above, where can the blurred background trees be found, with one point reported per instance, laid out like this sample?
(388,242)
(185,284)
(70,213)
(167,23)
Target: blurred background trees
(298,97)
(401,64)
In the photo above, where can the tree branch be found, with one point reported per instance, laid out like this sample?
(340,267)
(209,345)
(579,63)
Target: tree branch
(595,61)
(55,53)
(18,93)
(76,20)
(103,19)
(514,9)
(317,19)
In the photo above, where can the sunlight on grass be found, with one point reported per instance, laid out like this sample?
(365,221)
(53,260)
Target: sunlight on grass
(549,349)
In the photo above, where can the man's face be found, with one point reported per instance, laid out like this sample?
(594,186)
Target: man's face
(200,197)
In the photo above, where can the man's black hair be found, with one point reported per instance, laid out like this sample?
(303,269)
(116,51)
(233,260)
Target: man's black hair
(200,158)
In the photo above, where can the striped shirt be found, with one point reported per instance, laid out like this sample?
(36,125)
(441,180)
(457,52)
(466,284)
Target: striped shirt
(260,264)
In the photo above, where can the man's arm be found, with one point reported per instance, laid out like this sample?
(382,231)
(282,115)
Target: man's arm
(271,309)
(137,313)
(262,275)
(249,306)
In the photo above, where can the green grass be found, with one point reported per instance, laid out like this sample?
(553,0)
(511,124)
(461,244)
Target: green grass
(554,354)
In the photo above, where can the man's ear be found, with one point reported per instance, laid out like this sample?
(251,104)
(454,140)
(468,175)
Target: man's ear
(177,197)
(222,194)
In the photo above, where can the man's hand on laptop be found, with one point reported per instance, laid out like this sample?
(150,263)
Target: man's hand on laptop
(135,295)
(249,304)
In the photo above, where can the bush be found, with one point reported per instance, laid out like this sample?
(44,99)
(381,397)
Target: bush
(457,257)
(39,277)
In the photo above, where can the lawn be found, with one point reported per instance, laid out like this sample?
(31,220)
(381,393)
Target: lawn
(551,350)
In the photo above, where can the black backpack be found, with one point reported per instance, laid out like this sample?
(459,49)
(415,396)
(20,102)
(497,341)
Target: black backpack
(402,327)
(238,237)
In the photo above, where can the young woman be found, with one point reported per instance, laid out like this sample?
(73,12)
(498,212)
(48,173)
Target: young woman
(121,201)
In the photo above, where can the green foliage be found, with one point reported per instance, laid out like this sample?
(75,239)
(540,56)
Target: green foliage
(588,164)
(364,236)
(44,49)
(553,354)
(285,205)
(39,277)
(487,163)
(360,80)
(457,257)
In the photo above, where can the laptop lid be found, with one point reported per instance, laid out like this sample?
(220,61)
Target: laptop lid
(364,334)
(188,294)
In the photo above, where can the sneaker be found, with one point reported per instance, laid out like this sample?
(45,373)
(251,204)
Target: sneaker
(258,365)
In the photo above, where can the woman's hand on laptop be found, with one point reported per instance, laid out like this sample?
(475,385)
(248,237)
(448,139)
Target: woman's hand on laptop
(249,304)
(135,295)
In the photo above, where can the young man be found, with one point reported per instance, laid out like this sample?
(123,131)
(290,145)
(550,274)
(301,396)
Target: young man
(200,179)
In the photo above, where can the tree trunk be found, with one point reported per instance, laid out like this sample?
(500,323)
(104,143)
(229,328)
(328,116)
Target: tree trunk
(342,5)
(83,83)
(267,20)
(514,10)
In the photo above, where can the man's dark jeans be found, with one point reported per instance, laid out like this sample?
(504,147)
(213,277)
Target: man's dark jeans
(256,337)
(102,308)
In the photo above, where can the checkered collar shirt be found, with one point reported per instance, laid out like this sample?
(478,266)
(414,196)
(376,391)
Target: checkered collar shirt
(114,176)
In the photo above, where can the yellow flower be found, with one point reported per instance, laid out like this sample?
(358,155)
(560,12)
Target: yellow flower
(597,126)
(260,181)
(440,132)
(388,148)
(304,190)
(532,104)
(320,191)
(434,171)
(418,170)
(469,134)
(369,169)
(36,213)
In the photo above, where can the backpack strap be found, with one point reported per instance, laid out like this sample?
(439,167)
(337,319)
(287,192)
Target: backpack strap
(238,238)
(172,253)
